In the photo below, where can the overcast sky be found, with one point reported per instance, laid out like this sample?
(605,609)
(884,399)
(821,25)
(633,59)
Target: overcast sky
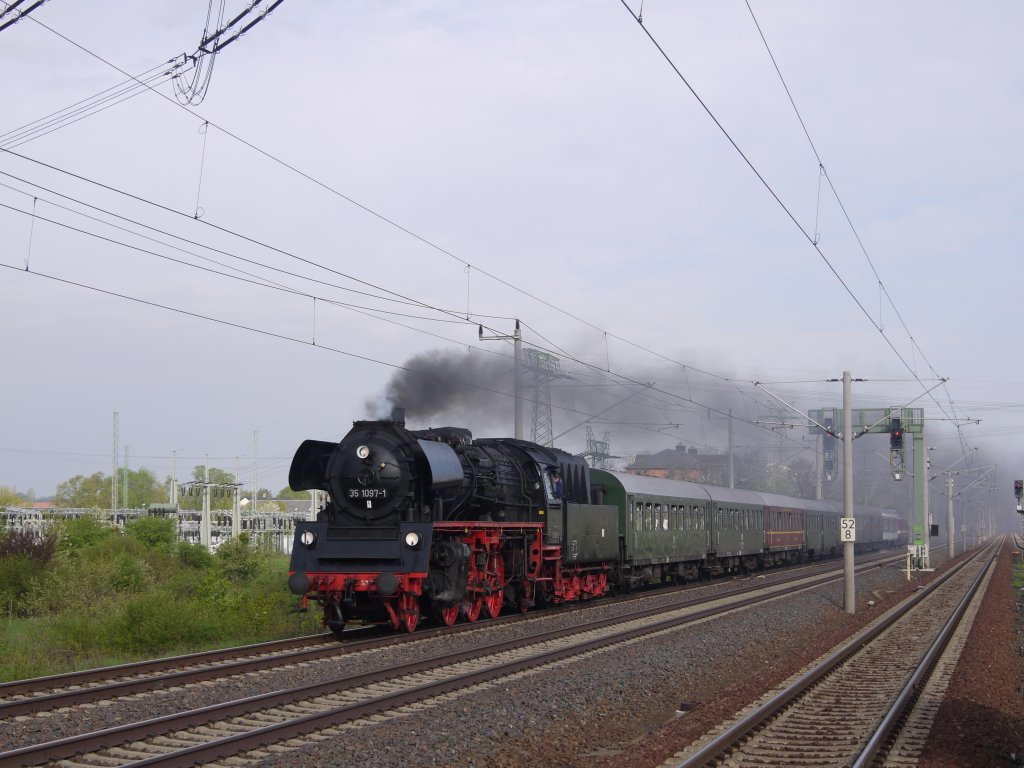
(364,183)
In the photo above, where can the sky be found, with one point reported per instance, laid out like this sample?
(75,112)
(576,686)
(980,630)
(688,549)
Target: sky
(362,185)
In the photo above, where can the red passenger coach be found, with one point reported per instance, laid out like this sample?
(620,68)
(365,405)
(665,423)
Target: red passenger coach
(783,534)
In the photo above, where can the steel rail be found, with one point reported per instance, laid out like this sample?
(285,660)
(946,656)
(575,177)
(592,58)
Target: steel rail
(310,648)
(751,721)
(922,672)
(68,747)
(32,684)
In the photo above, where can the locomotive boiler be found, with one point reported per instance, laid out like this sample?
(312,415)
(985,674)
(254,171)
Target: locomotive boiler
(435,522)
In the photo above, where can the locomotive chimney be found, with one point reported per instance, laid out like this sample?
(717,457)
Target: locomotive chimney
(398,416)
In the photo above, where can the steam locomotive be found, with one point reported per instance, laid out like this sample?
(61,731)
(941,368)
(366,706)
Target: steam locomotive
(432,522)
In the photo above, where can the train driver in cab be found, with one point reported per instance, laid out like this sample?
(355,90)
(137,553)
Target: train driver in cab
(557,487)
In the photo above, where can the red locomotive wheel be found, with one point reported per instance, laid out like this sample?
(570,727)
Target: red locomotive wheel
(448,614)
(496,582)
(472,607)
(409,611)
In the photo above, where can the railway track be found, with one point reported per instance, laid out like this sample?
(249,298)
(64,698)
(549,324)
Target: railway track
(37,694)
(316,711)
(27,697)
(858,702)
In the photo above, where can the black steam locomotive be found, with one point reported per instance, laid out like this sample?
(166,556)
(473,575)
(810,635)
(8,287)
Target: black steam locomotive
(433,521)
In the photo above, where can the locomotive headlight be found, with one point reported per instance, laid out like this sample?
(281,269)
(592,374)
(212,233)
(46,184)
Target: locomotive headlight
(413,540)
(307,538)
(363,451)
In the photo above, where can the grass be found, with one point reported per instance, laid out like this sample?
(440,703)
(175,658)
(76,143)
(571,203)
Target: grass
(107,598)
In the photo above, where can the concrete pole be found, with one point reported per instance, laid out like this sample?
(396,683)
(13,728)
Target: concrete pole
(732,455)
(114,473)
(255,485)
(236,514)
(849,593)
(950,530)
(204,521)
(125,502)
(920,512)
(236,510)
(927,512)
(518,383)
(818,448)
(174,477)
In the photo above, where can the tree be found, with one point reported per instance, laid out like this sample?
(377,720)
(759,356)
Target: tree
(216,475)
(82,492)
(143,488)
(220,497)
(93,492)
(10,497)
(288,493)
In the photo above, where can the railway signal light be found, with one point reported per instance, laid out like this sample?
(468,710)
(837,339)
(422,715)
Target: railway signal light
(1018,488)
(829,449)
(896,434)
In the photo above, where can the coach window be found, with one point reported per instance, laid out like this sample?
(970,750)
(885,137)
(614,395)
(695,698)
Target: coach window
(638,516)
(648,514)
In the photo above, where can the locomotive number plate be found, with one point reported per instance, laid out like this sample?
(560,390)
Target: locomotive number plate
(368,493)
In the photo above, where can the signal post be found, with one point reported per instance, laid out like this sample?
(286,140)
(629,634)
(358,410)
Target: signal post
(897,422)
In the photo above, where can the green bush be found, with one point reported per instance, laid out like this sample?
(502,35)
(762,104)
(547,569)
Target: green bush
(16,575)
(239,558)
(153,532)
(158,621)
(81,533)
(193,555)
(100,597)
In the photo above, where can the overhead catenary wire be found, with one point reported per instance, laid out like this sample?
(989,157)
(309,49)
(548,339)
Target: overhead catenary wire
(849,220)
(771,191)
(385,219)
(12,15)
(684,365)
(275,335)
(283,252)
(265,284)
